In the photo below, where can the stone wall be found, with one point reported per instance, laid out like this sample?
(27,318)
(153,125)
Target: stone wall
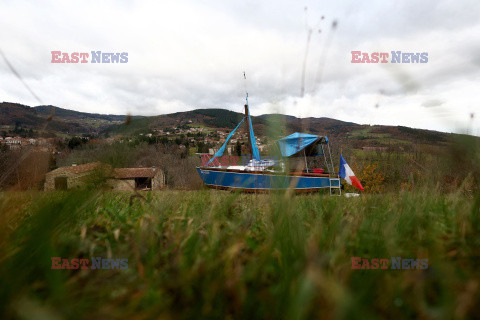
(122,184)
(158,181)
(73,180)
(50,178)
(77,180)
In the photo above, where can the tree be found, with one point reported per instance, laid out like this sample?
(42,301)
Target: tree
(202,147)
(238,148)
(75,142)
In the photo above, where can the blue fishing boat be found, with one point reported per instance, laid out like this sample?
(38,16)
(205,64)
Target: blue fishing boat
(269,174)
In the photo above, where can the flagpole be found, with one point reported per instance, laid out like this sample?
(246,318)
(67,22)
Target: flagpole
(305,156)
(331,160)
(247,115)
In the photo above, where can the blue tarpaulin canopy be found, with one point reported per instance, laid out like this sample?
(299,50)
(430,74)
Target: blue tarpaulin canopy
(220,151)
(256,153)
(297,142)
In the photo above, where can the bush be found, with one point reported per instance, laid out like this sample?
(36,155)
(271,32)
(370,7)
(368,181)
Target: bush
(372,179)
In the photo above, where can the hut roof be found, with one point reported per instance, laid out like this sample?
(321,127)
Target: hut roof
(130,173)
(77,169)
(118,173)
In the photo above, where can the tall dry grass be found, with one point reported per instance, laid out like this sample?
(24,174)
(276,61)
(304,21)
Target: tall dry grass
(209,254)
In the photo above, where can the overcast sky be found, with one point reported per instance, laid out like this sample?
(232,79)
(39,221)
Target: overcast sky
(184,55)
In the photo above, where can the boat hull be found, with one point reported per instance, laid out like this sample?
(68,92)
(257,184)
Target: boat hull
(265,181)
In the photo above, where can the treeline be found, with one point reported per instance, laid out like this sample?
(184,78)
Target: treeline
(220,118)
(446,169)
(174,159)
(455,168)
(24,169)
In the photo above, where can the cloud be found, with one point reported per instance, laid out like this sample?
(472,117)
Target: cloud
(432,103)
(187,55)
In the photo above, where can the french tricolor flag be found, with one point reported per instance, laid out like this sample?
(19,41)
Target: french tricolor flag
(346,173)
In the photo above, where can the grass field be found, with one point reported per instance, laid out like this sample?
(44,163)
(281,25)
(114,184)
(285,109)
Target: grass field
(214,254)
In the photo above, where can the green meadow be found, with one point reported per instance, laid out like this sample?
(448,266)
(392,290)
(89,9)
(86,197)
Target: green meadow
(214,254)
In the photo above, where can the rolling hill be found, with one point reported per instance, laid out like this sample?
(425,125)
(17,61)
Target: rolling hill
(71,114)
(226,119)
(340,131)
(64,121)
(55,119)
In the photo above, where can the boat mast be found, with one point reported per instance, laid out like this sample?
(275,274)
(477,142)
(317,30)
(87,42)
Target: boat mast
(247,117)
